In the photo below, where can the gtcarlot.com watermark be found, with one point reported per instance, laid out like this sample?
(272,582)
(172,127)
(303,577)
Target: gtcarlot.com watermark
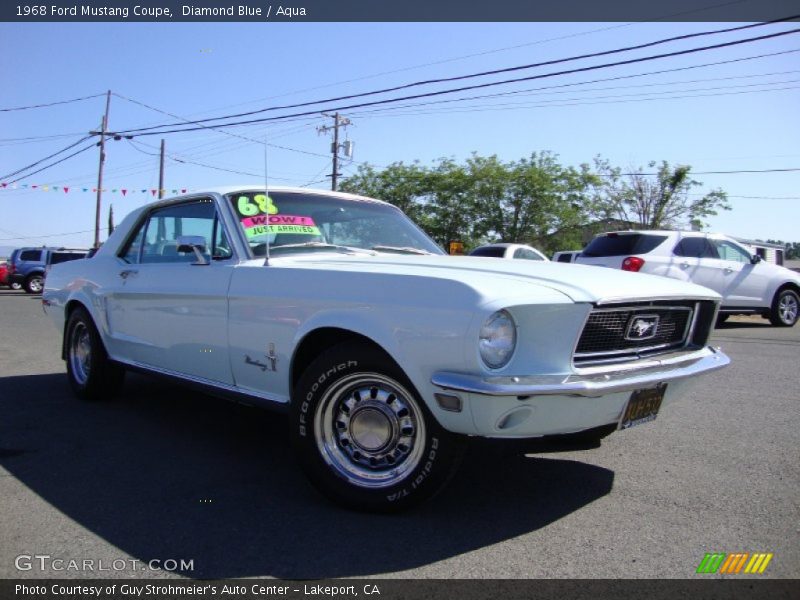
(48,563)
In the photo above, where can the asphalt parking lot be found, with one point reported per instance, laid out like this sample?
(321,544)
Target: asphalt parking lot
(163,473)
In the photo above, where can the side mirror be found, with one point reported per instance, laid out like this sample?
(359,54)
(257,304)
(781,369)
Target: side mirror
(755,259)
(196,244)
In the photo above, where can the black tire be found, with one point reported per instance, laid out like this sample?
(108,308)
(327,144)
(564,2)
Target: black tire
(364,437)
(92,375)
(721,318)
(785,308)
(34,284)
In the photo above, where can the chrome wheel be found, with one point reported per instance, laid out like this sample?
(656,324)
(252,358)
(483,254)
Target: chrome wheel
(370,429)
(788,308)
(80,353)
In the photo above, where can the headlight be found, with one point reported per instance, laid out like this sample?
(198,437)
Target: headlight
(497,340)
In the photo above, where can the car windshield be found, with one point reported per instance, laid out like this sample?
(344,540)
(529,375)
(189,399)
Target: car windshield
(301,222)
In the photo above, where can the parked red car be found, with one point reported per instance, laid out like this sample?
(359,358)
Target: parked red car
(5,275)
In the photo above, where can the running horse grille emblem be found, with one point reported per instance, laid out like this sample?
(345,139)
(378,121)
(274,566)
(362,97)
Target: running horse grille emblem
(642,327)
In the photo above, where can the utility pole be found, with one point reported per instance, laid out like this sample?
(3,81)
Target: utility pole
(103,128)
(338,121)
(161,173)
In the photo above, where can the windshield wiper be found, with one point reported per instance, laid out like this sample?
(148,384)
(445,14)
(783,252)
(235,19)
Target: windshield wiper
(316,246)
(400,249)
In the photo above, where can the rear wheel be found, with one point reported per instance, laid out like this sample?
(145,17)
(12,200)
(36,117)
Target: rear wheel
(364,437)
(92,375)
(34,284)
(785,308)
(15,286)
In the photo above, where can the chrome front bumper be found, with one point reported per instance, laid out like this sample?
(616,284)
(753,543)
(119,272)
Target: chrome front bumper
(592,381)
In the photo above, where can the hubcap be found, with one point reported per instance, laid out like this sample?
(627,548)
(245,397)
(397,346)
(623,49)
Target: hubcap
(80,353)
(370,430)
(36,284)
(787,308)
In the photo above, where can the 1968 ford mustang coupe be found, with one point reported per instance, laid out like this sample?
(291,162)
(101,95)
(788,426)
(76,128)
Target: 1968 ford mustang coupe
(385,353)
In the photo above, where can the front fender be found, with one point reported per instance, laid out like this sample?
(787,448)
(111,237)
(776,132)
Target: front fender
(416,340)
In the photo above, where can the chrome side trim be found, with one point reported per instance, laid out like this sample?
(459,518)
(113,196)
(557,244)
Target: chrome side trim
(590,382)
(212,386)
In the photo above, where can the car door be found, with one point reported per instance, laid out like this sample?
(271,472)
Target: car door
(168,310)
(743,283)
(695,258)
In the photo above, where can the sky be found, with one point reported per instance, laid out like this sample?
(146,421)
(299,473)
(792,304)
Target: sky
(739,116)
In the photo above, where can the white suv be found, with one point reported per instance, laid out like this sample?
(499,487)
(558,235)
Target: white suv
(747,284)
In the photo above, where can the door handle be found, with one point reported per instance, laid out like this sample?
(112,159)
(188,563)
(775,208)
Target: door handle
(728,270)
(127,273)
(684,265)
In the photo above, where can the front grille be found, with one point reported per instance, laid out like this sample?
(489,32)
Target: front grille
(629,331)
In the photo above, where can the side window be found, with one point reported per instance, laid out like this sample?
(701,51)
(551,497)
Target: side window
(131,252)
(34,255)
(729,251)
(157,239)
(694,247)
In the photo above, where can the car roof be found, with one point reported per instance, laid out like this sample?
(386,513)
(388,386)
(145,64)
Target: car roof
(231,189)
(665,232)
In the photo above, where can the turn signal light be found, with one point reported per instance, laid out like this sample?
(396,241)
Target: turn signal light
(632,263)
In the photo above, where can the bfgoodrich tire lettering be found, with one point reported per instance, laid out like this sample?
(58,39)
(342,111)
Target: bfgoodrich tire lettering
(92,375)
(785,308)
(363,435)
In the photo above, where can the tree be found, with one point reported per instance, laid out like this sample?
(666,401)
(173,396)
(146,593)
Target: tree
(485,199)
(658,201)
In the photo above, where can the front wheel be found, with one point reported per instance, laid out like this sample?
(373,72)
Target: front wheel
(364,437)
(785,308)
(92,375)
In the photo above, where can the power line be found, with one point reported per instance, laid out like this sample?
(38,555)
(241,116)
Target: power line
(39,138)
(590,101)
(49,235)
(476,86)
(504,70)
(58,162)
(214,128)
(721,172)
(206,165)
(50,103)
(531,91)
(83,139)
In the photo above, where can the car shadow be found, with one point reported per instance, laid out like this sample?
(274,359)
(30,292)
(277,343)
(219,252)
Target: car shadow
(161,472)
(729,324)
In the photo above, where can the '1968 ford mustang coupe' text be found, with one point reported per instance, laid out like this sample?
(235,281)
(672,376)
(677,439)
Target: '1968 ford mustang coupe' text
(385,353)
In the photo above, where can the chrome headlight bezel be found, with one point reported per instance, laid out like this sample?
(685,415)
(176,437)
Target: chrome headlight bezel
(497,339)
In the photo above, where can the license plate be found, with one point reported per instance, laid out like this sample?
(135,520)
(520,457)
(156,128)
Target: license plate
(643,406)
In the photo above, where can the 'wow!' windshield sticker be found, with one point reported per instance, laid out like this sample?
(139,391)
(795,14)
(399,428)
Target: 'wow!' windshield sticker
(259,216)
(263,224)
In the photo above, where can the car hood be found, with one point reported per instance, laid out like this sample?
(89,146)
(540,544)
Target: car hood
(495,277)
